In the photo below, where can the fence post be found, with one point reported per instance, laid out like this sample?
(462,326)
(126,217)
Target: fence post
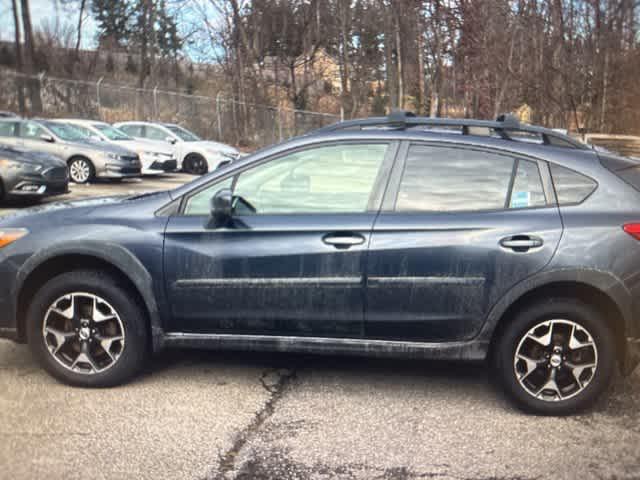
(98,97)
(40,88)
(218,117)
(155,103)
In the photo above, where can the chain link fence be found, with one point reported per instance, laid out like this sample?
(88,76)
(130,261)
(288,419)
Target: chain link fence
(218,118)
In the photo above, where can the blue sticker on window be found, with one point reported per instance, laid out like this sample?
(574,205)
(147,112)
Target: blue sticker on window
(520,199)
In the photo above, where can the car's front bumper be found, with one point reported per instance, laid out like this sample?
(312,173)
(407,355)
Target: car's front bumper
(121,171)
(8,322)
(161,166)
(53,181)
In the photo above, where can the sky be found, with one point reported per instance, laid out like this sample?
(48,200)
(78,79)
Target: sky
(47,12)
(53,13)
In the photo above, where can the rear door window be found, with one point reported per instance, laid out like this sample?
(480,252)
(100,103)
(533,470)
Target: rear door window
(527,188)
(155,133)
(442,179)
(32,130)
(133,130)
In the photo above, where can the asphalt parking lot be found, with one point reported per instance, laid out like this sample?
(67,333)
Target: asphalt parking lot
(212,415)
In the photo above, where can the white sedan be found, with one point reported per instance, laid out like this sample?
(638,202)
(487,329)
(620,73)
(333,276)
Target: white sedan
(156,157)
(194,155)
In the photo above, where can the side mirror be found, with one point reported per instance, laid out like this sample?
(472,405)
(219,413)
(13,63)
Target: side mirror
(222,206)
(171,140)
(45,137)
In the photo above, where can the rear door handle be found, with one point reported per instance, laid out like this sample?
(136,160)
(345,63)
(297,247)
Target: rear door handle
(343,240)
(521,243)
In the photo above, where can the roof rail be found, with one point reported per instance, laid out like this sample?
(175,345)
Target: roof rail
(505,126)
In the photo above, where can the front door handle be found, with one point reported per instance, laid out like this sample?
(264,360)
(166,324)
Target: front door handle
(521,243)
(343,240)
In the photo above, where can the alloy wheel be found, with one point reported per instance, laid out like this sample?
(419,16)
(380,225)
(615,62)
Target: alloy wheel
(80,171)
(556,360)
(83,333)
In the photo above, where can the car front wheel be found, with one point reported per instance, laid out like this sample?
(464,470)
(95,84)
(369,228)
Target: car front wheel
(556,357)
(86,331)
(195,164)
(81,170)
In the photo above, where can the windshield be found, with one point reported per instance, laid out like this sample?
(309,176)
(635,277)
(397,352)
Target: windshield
(65,131)
(112,133)
(184,135)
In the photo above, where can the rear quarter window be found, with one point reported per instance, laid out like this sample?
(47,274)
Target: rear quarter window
(571,187)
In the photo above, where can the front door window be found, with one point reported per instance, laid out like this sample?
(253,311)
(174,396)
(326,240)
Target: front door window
(329,179)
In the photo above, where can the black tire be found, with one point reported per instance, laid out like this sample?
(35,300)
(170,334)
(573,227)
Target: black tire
(132,356)
(195,164)
(574,311)
(85,165)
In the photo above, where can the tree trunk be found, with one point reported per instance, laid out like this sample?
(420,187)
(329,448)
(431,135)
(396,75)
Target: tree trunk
(19,80)
(422,108)
(398,43)
(344,56)
(34,83)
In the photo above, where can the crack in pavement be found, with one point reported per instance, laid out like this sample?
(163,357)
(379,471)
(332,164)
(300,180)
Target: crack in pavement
(275,381)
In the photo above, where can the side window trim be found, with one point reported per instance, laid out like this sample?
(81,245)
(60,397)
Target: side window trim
(393,189)
(512,181)
(547,183)
(395,178)
(379,183)
(382,181)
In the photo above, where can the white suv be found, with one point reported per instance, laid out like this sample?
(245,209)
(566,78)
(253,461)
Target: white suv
(156,157)
(194,155)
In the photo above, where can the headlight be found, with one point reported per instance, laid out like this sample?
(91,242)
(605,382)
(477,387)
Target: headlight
(10,235)
(112,156)
(9,164)
(20,165)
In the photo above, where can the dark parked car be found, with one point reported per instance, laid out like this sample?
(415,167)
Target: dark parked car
(86,159)
(394,236)
(26,174)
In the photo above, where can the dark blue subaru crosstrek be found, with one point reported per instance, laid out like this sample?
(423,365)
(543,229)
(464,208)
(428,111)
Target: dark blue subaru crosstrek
(393,236)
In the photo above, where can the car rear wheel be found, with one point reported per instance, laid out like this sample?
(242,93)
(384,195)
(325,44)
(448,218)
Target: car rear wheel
(86,331)
(556,357)
(81,170)
(195,164)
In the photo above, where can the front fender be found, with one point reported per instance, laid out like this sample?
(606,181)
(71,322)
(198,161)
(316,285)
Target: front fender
(111,253)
